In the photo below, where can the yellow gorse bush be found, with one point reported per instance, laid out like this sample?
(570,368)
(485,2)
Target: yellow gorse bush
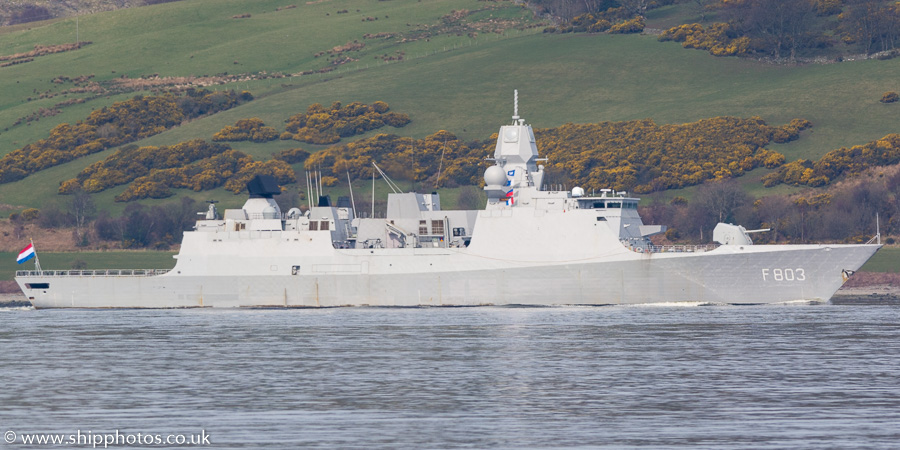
(838,163)
(252,129)
(114,125)
(714,39)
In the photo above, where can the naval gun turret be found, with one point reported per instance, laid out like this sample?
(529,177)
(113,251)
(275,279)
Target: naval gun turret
(729,234)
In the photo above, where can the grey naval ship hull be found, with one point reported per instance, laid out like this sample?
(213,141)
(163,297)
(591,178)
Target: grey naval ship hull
(752,275)
(529,246)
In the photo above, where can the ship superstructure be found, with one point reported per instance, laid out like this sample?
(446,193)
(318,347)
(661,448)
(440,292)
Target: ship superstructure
(530,245)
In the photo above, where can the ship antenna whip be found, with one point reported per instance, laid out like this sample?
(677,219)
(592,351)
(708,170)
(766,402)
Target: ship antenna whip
(388,180)
(437,182)
(515,116)
(877,237)
(877,228)
(308,190)
(350,184)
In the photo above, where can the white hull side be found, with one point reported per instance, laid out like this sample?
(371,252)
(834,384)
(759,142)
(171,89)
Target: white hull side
(757,274)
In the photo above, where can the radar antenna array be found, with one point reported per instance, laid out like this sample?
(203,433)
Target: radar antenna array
(515,105)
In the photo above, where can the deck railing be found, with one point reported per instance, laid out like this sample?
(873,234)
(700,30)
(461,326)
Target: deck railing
(679,248)
(92,273)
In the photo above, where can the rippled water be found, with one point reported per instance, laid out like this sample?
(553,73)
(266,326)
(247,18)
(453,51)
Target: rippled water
(730,377)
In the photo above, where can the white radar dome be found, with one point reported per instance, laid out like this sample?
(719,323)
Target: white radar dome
(577,192)
(495,176)
(269,212)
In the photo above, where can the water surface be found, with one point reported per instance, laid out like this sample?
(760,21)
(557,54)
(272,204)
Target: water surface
(795,376)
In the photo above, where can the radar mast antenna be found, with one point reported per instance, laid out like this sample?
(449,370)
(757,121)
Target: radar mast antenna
(515,116)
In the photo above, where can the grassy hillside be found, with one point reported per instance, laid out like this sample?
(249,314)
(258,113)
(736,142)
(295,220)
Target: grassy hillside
(462,83)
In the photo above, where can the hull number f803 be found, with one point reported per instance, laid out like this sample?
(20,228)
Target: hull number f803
(797,274)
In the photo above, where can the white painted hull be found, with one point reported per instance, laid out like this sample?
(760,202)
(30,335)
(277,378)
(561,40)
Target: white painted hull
(729,274)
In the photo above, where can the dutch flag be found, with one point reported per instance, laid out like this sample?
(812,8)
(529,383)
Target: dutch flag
(26,254)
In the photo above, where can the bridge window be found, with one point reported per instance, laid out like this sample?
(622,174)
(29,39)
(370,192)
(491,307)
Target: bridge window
(614,204)
(599,205)
(437,227)
(324,225)
(423,227)
(313,225)
(37,285)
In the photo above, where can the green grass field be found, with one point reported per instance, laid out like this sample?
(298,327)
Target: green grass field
(886,260)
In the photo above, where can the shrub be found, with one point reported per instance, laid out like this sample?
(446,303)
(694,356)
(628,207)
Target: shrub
(890,97)
(230,169)
(323,126)
(131,162)
(107,127)
(672,234)
(30,214)
(838,163)
(253,130)
(293,155)
(635,25)
(719,39)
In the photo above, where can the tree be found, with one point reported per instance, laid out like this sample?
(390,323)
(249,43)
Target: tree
(635,7)
(82,207)
(861,22)
(779,25)
(721,198)
(703,7)
(774,212)
(138,226)
(30,13)
(870,22)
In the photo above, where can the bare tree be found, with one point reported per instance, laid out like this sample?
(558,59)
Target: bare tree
(721,198)
(870,22)
(82,207)
(636,7)
(861,21)
(775,212)
(703,7)
(782,25)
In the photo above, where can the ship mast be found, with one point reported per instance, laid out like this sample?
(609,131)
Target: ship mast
(515,116)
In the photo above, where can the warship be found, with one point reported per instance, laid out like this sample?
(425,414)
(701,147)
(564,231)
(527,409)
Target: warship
(530,245)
